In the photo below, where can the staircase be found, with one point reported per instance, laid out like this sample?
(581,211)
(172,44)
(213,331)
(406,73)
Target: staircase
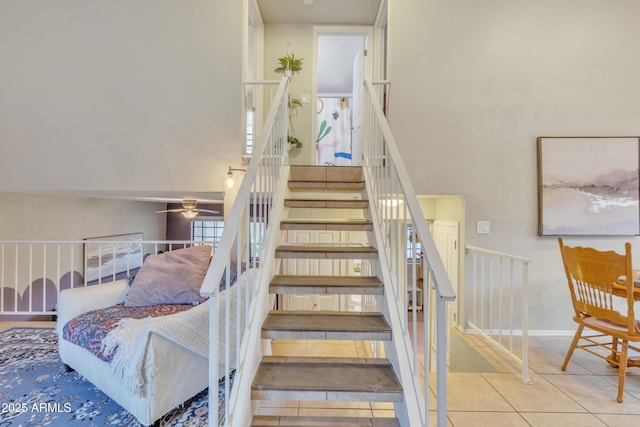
(323,189)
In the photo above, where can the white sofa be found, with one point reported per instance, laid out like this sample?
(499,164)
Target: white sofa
(179,374)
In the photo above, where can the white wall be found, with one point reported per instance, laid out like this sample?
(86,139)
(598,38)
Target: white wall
(41,217)
(116,95)
(300,37)
(474,84)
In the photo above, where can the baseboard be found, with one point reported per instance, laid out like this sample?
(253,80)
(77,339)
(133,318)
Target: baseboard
(518,333)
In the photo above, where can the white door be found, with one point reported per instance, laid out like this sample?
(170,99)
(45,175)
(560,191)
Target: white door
(445,236)
(356,106)
(335,69)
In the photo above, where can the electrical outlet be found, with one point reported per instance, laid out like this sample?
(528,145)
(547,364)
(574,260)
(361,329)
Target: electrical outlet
(483,227)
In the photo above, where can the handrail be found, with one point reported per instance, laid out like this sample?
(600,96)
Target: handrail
(445,288)
(247,240)
(389,187)
(497,253)
(496,284)
(232,225)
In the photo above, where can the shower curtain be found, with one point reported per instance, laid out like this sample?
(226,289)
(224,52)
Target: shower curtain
(333,141)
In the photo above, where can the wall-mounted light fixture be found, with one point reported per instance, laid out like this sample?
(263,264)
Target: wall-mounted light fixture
(230,175)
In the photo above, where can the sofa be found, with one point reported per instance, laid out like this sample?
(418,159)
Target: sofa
(148,356)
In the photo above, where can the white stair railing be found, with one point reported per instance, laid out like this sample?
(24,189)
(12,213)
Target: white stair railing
(499,302)
(398,222)
(248,241)
(257,98)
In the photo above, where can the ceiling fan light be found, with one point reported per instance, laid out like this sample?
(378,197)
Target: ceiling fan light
(189,214)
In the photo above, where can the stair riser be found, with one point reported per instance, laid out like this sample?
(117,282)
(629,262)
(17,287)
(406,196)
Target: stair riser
(321,173)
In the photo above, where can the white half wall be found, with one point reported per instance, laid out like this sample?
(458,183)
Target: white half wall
(41,217)
(117,95)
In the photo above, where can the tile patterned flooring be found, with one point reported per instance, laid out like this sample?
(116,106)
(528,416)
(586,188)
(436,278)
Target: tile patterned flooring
(584,395)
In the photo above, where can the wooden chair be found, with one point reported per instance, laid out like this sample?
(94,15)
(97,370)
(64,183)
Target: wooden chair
(595,283)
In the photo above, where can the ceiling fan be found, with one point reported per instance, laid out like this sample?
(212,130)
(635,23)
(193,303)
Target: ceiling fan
(189,209)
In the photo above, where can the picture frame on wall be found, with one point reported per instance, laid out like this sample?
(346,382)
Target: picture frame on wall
(112,256)
(588,186)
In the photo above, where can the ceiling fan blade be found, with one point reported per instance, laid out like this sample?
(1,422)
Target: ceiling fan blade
(170,210)
(207,211)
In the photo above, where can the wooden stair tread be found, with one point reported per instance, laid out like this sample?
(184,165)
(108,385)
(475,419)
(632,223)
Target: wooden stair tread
(326,186)
(283,279)
(327,203)
(345,285)
(317,421)
(326,252)
(331,325)
(360,225)
(329,378)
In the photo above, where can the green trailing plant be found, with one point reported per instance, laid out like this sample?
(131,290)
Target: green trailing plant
(294,141)
(289,62)
(294,104)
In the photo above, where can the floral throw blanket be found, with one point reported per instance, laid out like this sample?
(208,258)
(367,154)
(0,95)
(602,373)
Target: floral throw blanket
(89,329)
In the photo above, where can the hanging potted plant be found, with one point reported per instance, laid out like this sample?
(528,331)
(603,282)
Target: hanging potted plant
(288,65)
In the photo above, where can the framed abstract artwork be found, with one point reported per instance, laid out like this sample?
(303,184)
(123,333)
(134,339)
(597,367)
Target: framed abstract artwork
(112,256)
(588,186)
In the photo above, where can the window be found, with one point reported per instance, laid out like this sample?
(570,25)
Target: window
(207,229)
(249,139)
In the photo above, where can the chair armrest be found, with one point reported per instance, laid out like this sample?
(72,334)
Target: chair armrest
(75,301)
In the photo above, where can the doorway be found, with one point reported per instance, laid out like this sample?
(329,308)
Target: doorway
(341,61)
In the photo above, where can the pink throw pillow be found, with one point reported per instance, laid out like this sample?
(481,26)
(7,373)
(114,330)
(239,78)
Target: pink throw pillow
(173,277)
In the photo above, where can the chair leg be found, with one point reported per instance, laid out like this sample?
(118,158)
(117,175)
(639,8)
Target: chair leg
(622,369)
(574,343)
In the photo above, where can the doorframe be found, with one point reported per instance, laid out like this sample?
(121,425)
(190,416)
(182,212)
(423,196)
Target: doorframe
(374,61)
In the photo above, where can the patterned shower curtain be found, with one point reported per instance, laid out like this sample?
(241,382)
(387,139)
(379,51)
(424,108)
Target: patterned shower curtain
(333,141)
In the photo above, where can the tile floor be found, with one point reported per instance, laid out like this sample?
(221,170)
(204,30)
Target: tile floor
(584,395)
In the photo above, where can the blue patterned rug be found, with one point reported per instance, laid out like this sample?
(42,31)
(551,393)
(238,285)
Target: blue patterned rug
(36,390)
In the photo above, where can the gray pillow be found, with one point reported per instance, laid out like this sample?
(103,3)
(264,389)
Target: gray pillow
(172,277)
